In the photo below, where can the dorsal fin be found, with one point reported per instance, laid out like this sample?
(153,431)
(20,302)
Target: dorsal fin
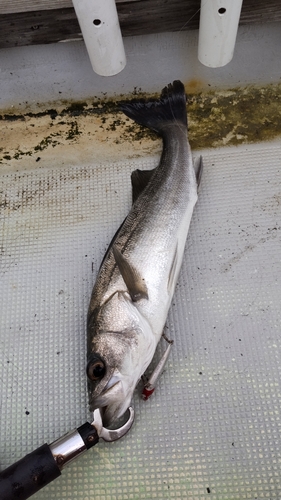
(134,283)
(198,169)
(140,179)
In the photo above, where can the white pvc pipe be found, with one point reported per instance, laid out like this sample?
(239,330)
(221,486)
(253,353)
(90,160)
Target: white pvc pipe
(99,24)
(218,27)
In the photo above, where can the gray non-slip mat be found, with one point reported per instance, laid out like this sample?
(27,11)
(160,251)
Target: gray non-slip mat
(212,428)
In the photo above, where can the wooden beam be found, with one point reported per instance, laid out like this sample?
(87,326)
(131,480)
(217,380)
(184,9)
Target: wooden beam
(136,18)
(14,6)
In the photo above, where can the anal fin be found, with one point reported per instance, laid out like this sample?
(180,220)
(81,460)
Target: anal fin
(134,283)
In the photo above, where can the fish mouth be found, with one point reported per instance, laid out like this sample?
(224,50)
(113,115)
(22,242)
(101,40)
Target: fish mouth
(110,388)
(113,402)
(109,394)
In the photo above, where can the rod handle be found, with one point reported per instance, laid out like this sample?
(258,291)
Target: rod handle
(29,474)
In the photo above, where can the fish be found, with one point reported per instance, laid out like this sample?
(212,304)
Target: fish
(137,277)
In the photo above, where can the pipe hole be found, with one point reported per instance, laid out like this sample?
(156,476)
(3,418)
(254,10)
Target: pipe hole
(97,22)
(222,11)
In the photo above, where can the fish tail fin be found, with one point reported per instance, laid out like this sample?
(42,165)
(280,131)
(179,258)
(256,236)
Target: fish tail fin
(155,115)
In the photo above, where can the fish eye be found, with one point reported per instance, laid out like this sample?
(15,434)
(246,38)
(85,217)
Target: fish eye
(95,369)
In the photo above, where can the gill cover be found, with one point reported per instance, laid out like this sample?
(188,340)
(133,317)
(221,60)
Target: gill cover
(120,352)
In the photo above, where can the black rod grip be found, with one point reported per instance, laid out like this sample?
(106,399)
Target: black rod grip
(29,475)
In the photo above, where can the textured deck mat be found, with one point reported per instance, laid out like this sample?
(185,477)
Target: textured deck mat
(212,428)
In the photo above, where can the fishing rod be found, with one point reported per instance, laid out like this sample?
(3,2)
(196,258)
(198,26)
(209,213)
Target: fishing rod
(40,467)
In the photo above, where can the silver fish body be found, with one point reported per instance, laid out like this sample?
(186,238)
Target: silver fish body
(136,282)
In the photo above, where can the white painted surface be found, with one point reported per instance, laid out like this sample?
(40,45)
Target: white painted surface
(218,28)
(49,73)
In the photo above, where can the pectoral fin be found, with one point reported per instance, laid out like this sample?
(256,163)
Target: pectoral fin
(134,283)
(140,179)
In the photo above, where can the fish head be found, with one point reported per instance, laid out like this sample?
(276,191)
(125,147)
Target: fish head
(111,376)
(120,351)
